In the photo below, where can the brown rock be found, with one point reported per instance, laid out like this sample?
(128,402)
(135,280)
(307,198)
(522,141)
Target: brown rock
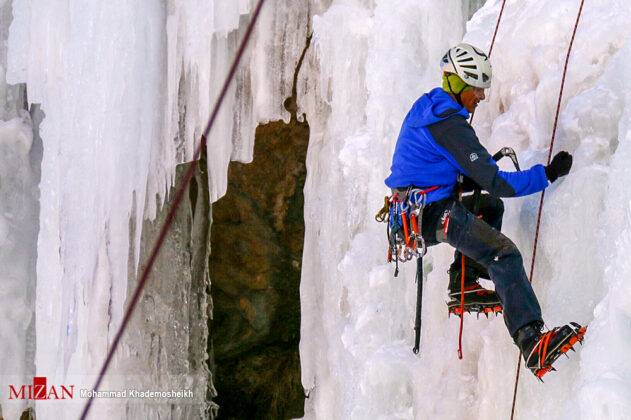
(256,243)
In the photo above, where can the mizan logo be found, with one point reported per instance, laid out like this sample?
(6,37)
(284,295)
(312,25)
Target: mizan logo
(39,391)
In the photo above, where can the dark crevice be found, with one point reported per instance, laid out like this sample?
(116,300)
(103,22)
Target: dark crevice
(255,264)
(291,103)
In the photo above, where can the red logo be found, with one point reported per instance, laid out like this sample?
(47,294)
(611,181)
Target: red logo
(40,391)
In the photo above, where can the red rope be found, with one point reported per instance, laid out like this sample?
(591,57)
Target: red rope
(176,203)
(461,310)
(554,129)
(497,25)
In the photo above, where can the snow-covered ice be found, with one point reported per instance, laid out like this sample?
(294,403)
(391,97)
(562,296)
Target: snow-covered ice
(357,319)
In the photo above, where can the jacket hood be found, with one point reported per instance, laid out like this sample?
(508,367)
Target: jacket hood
(432,107)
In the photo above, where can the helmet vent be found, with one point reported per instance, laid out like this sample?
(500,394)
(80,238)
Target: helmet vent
(470,63)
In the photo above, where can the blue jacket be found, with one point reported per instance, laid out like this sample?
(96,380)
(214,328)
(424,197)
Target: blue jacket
(436,143)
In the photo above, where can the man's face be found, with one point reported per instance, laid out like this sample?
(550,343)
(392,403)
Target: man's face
(471,98)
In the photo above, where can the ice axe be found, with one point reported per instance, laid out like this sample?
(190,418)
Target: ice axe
(504,151)
(507,151)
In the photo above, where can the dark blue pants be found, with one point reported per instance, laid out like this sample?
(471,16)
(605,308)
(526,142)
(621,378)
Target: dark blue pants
(486,245)
(491,210)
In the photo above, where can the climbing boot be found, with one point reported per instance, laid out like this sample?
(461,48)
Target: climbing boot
(542,349)
(476,298)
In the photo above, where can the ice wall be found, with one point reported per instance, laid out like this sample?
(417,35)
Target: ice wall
(18,236)
(127,88)
(20,153)
(374,59)
(262,83)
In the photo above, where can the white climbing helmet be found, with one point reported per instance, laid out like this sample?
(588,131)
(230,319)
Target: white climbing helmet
(470,63)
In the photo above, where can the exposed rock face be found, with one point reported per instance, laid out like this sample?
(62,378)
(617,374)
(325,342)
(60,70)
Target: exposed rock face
(257,239)
(167,337)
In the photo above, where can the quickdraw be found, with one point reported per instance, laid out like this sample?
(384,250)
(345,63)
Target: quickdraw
(403,214)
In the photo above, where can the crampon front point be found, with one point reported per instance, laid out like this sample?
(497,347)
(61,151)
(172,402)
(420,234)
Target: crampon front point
(476,299)
(454,308)
(551,345)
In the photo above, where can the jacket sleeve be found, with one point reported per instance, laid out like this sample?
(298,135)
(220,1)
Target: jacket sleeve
(462,148)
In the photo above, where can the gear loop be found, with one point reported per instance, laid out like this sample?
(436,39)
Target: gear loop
(403,211)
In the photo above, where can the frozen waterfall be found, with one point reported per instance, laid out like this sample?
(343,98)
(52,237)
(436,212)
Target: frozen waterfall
(375,58)
(100,101)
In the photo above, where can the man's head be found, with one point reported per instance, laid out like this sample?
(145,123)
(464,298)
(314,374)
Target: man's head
(466,73)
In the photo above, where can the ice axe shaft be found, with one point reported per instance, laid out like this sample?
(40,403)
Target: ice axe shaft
(419,304)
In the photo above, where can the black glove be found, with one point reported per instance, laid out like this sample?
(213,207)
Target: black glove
(560,166)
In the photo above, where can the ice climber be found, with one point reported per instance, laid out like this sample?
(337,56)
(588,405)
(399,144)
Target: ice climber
(436,148)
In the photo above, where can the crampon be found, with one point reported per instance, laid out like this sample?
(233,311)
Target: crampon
(476,300)
(551,345)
